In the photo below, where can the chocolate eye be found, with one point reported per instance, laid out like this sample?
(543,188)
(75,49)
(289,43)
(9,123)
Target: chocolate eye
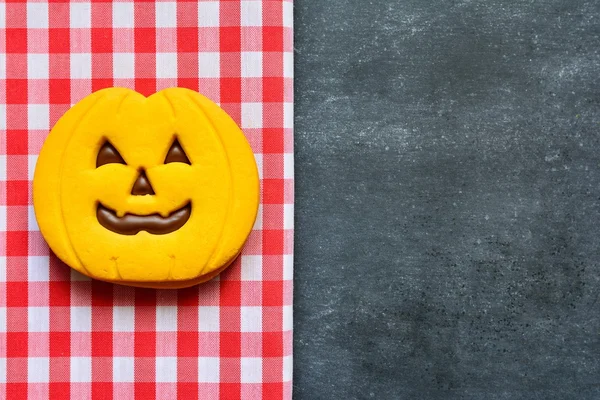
(176,154)
(108,155)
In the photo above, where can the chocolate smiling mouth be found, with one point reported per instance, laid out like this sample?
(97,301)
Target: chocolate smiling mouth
(131,224)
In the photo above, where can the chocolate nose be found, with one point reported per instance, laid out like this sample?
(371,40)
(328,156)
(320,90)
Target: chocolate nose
(142,185)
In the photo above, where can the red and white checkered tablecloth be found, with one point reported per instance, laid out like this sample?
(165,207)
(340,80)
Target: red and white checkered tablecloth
(64,336)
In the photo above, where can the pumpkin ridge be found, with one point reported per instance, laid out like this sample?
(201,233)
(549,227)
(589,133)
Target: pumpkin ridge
(121,102)
(229,172)
(170,103)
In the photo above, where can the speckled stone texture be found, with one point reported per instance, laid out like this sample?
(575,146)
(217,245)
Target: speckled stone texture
(448,199)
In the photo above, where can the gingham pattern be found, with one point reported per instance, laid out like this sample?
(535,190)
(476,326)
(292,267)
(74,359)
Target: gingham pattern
(63,336)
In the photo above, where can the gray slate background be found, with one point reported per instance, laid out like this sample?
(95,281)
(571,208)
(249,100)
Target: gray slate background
(448,199)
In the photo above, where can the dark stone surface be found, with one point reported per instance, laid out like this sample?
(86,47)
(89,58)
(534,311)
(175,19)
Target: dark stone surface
(447,199)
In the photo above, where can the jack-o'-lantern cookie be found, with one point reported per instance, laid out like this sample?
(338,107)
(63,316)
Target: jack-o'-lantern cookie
(158,191)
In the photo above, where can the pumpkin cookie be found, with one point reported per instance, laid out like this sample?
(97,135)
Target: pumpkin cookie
(158,191)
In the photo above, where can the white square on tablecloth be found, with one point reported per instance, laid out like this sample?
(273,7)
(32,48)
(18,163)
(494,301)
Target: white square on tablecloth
(288,166)
(123,319)
(288,317)
(81,66)
(166,369)
(3,268)
(166,319)
(3,67)
(251,268)
(252,64)
(37,15)
(251,370)
(122,14)
(2,319)
(166,65)
(38,66)
(81,15)
(123,65)
(288,267)
(288,14)
(208,319)
(81,369)
(288,64)
(38,369)
(2,15)
(208,13)
(38,319)
(208,369)
(32,225)
(209,65)
(81,319)
(287,368)
(2,216)
(251,13)
(166,14)
(123,369)
(38,268)
(2,370)
(251,319)
(288,115)
(252,116)
(38,116)
(288,216)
